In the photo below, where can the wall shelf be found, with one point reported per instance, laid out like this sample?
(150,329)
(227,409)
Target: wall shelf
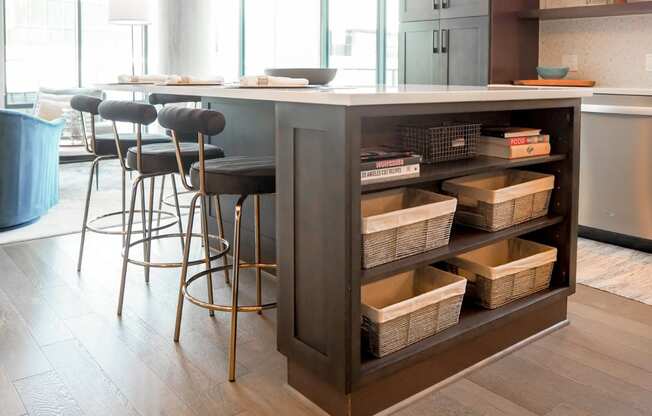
(589,11)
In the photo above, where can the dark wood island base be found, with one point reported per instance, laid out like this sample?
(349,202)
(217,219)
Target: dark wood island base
(313,225)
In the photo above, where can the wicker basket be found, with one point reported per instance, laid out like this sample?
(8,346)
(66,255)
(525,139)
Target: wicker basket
(494,201)
(404,222)
(506,271)
(441,142)
(408,307)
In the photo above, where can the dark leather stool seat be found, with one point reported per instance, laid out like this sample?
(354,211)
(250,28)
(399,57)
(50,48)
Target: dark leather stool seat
(238,175)
(105,143)
(162,158)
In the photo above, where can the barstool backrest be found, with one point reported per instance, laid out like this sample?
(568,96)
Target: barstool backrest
(198,122)
(128,112)
(164,99)
(90,105)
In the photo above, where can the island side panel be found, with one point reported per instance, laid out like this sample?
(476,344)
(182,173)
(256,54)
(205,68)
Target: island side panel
(318,211)
(250,130)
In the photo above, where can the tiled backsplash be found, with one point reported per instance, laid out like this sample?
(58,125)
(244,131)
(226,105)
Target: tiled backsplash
(610,50)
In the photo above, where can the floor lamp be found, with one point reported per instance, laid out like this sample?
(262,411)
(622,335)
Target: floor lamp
(132,13)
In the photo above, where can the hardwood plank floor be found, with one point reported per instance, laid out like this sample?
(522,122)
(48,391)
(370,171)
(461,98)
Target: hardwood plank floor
(64,351)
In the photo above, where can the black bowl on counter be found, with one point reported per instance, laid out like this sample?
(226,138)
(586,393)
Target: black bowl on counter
(315,76)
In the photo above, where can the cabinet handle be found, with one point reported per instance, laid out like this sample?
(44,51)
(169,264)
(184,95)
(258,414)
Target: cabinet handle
(445,40)
(435,4)
(435,41)
(445,4)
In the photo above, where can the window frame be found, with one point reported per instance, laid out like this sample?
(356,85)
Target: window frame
(138,31)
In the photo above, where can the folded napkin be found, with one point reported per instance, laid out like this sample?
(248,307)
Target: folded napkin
(184,79)
(144,78)
(267,81)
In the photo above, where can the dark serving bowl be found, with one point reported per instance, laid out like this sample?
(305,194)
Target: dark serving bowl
(315,76)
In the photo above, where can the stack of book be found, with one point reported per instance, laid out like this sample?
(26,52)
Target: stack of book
(381,164)
(513,142)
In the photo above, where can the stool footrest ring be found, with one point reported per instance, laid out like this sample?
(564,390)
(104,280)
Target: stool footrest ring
(219,254)
(165,215)
(225,308)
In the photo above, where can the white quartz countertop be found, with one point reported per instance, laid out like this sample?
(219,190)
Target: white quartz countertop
(360,96)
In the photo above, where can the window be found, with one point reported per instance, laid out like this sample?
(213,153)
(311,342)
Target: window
(228,35)
(352,41)
(391,42)
(105,47)
(41,47)
(281,33)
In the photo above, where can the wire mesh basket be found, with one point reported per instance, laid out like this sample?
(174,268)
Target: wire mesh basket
(441,142)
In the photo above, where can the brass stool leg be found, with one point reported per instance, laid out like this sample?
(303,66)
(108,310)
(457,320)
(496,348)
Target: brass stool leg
(130,224)
(160,204)
(150,217)
(207,250)
(234,290)
(124,205)
(86,208)
(220,228)
(143,215)
(257,251)
(177,207)
(184,267)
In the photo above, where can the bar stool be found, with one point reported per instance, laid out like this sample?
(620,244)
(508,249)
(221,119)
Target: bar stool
(241,176)
(163,100)
(151,161)
(104,147)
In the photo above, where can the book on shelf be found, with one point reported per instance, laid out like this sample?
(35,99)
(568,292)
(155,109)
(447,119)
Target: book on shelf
(508,132)
(516,141)
(512,152)
(386,163)
(382,175)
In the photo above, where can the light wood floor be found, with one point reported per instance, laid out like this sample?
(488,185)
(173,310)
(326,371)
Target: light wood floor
(63,351)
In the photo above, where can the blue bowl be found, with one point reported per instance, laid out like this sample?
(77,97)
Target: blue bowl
(546,72)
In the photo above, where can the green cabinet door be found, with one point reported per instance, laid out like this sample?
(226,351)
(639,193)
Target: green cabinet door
(419,53)
(465,51)
(416,10)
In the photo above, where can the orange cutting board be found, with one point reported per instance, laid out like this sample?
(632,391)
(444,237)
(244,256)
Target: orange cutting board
(555,82)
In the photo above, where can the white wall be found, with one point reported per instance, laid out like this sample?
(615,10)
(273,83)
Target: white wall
(610,50)
(183,38)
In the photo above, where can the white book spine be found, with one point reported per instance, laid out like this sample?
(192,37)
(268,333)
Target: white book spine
(389,173)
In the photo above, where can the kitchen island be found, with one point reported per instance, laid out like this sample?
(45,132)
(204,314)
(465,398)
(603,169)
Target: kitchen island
(316,135)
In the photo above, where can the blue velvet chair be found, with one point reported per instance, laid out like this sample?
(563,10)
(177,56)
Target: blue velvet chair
(29,167)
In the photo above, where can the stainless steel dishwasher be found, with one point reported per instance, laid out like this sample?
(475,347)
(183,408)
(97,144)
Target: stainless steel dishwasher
(616,170)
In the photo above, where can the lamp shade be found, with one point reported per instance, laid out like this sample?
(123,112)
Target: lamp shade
(129,12)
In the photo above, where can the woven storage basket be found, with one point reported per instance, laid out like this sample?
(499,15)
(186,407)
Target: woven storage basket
(441,142)
(506,271)
(408,307)
(494,201)
(404,222)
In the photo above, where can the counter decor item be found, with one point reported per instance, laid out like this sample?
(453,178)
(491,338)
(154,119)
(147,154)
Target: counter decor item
(408,307)
(315,76)
(578,83)
(505,271)
(379,164)
(549,72)
(441,142)
(404,222)
(497,200)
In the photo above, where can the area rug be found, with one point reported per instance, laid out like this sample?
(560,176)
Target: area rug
(616,270)
(66,217)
